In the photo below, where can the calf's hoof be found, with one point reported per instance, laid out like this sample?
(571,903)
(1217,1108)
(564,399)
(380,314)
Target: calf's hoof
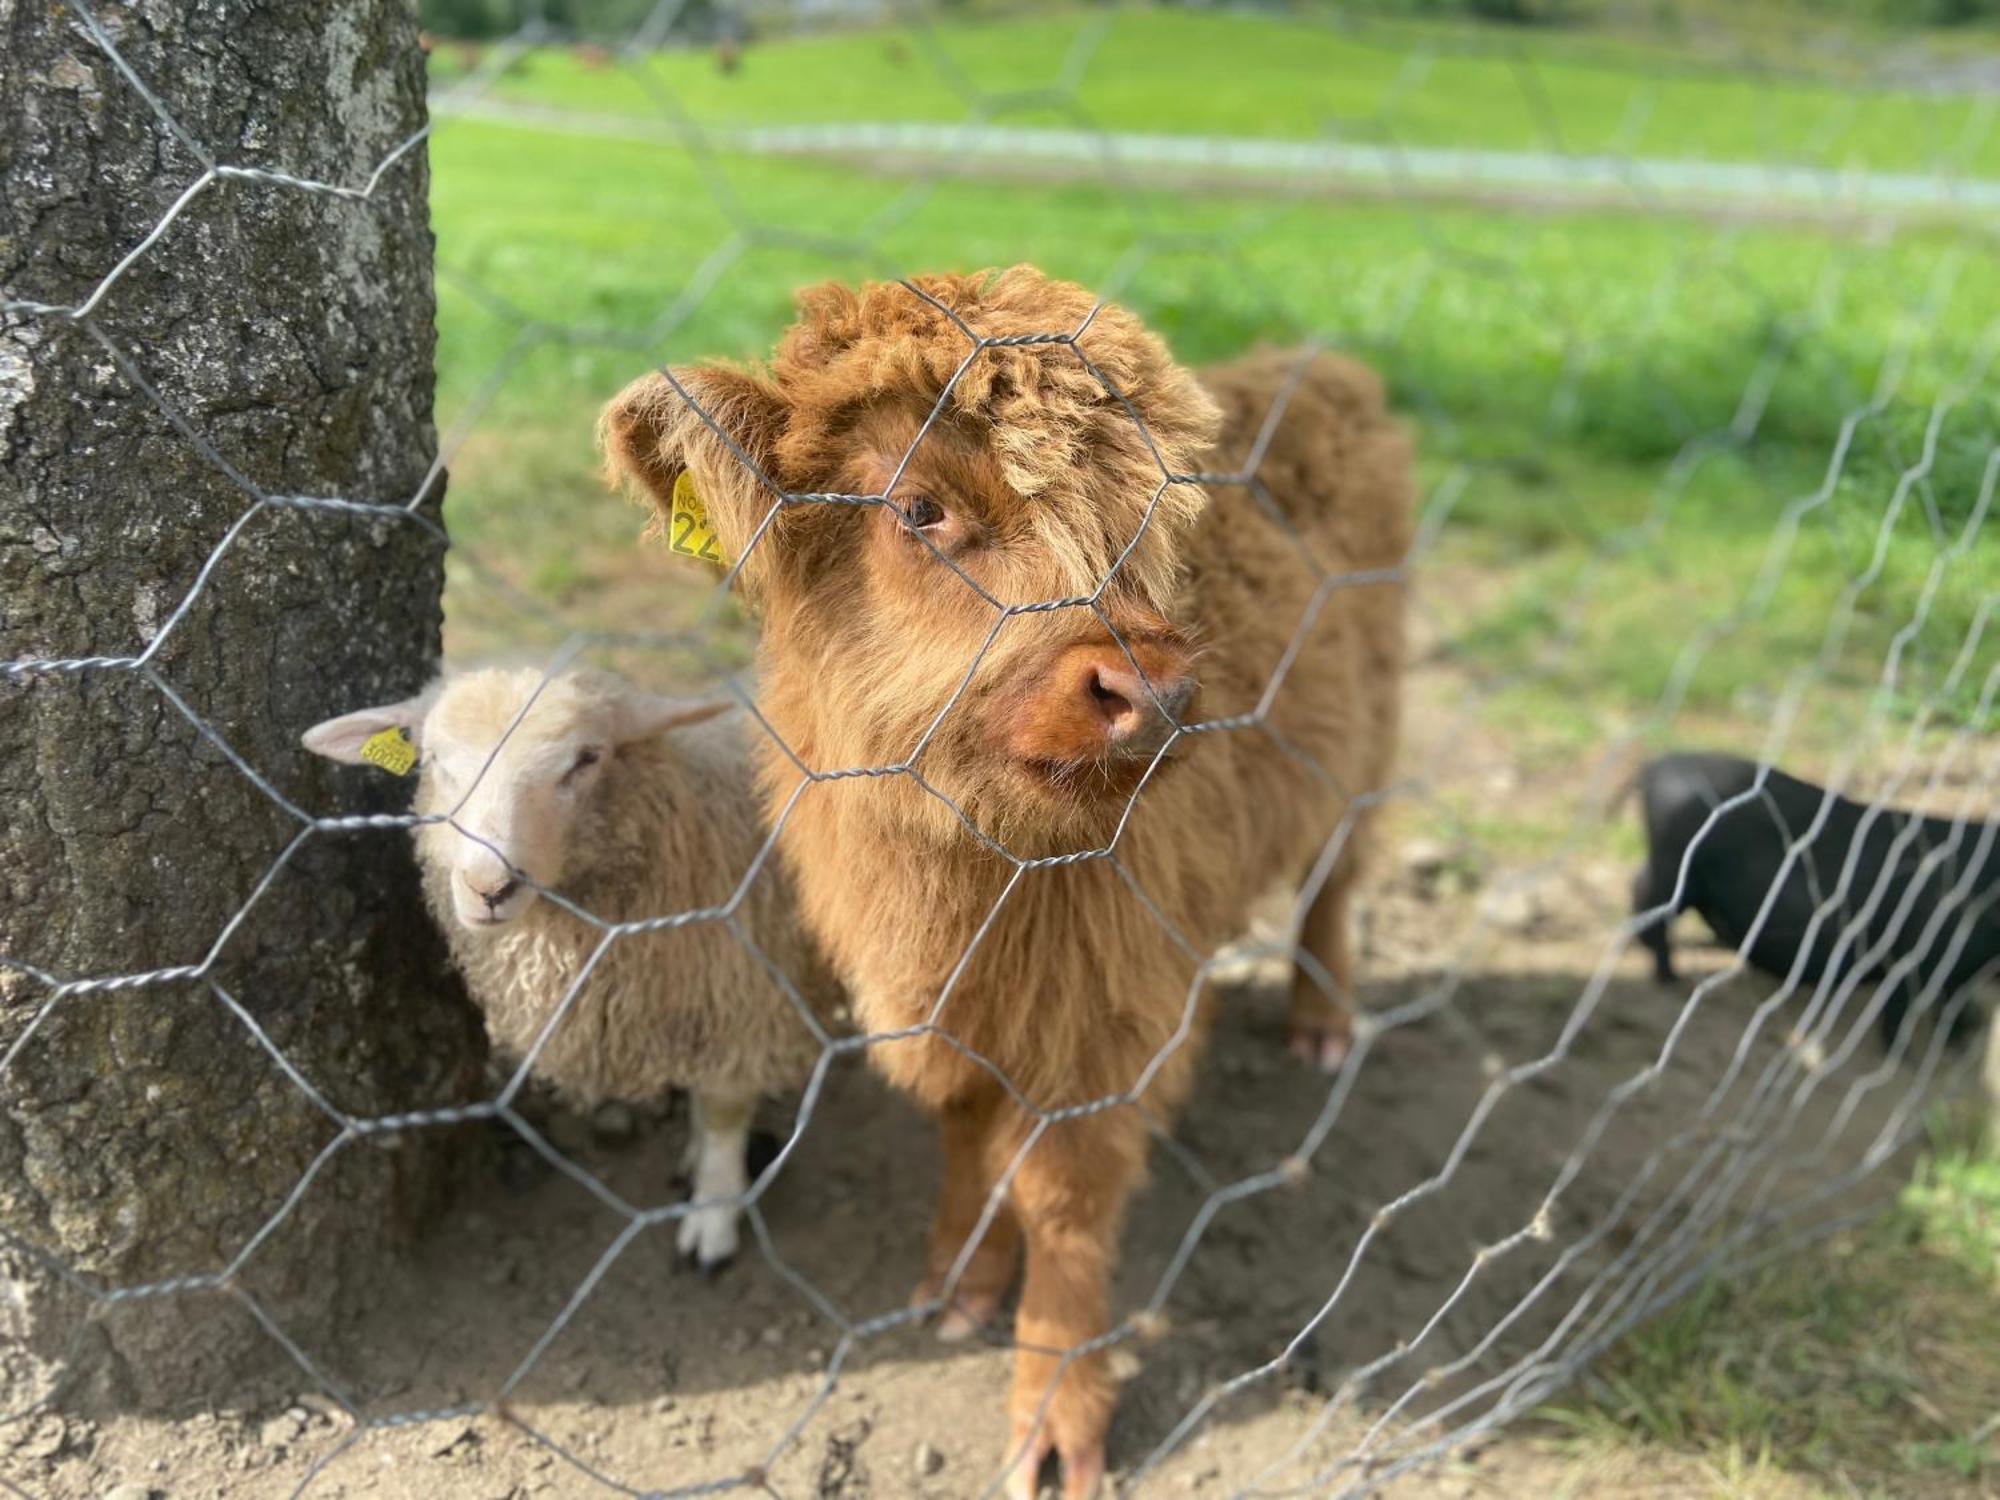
(1031,1445)
(972,1310)
(1323,1048)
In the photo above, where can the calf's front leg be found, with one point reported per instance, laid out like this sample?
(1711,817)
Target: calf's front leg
(1320,1028)
(970,1178)
(1069,1191)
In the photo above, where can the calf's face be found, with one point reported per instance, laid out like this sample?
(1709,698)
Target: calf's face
(1000,604)
(1074,702)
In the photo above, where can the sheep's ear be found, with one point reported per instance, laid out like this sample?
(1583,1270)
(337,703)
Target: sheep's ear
(341,739)
(641,716)
(717,425)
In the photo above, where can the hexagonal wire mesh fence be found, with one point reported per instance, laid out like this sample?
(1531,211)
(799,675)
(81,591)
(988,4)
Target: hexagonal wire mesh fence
(1762,1153)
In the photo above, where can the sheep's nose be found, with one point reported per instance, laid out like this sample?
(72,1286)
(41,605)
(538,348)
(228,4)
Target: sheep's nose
(1139,713)
(498,894)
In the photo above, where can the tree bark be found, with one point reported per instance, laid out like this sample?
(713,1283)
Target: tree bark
(145,1133)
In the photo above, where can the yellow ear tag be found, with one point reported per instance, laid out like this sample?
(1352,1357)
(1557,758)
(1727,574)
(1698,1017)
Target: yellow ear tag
(391,750)
(688,531)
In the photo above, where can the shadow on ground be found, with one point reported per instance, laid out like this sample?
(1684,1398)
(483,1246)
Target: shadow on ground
(655,1378)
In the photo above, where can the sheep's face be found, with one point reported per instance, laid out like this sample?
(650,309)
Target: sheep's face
(513,771)
(513,766)
(1034,473)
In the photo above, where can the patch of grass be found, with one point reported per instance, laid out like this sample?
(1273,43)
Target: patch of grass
(1871,1364)
(1556,368)
(1628,425)
(1300,75)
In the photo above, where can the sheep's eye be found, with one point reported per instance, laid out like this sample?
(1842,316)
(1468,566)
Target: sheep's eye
(921,512)
(585,758)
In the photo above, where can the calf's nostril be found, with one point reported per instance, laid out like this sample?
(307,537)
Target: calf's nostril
(1132,706)
(1111,700)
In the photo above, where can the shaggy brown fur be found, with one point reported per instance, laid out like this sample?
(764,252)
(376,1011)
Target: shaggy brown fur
(1033,482)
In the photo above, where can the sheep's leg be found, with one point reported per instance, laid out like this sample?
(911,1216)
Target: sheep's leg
(1070,1191)
(1321,1023)
(964,1126)
(721,1132)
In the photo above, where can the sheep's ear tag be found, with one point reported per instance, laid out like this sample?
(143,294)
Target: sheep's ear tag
(391,750)
(688,531)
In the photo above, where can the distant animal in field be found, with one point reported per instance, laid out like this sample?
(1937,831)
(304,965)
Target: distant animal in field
(1874,890)
(1275,616)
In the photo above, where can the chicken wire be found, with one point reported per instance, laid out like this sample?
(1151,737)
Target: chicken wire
(1727,1209)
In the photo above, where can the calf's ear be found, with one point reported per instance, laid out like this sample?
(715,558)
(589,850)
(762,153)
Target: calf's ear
(717,426)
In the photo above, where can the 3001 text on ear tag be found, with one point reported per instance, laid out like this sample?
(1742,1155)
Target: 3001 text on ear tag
(688,531)
(391,750)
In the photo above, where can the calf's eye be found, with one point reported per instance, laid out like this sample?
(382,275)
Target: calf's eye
(922,512)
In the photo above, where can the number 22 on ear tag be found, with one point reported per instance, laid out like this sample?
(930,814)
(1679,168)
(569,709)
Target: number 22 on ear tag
(688,531)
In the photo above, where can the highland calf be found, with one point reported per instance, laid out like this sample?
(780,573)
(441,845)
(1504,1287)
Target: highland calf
(1208,688)
(1871,892)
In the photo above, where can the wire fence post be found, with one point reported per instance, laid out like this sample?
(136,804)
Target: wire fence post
(179,953)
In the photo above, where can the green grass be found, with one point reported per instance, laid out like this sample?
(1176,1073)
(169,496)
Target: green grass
(1213,73)
(1556,367)
(1868,1366)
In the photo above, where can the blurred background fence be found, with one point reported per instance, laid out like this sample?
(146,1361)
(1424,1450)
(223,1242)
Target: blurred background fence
(1694,309)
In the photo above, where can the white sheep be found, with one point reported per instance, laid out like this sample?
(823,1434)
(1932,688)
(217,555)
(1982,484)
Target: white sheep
(574,786)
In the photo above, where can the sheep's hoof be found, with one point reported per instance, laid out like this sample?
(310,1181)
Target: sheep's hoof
(707,1240)
(707,1270)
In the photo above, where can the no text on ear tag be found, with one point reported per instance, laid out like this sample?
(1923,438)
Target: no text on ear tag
(391,750)
(688,531)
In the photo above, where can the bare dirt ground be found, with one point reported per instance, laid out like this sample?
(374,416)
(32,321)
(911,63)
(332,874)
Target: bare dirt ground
(654,1379)
(661,1379)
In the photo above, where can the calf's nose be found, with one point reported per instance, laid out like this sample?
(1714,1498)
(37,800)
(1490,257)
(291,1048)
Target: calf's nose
(1138,712)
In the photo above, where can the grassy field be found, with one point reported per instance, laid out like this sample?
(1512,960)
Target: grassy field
(1558,365)
(1223,74)
(1750,451)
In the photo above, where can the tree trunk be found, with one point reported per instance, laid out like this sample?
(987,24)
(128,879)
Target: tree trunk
(146,1133)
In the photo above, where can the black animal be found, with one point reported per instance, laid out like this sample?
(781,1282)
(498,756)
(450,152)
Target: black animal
(1914,886)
